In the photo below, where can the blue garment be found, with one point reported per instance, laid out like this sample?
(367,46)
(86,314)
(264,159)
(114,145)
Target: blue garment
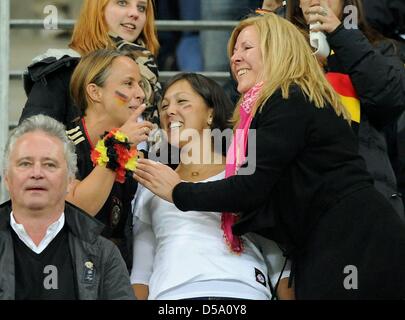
(188,51)
(214,42)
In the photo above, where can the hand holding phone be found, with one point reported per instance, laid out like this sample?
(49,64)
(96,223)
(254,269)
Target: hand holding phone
(319,42)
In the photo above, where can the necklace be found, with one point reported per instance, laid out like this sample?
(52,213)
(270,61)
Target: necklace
(202,172)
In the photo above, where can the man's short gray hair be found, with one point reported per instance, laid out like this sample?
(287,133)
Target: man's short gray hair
(49,126)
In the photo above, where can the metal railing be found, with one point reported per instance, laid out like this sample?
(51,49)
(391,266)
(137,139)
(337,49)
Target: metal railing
(4,83)
(162,25)
(163,75)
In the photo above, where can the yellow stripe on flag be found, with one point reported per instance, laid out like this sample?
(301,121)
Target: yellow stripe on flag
(353,106)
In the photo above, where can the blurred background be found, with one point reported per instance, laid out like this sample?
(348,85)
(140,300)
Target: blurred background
(25,44)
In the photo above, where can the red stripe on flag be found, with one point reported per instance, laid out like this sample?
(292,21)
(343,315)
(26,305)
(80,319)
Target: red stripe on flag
(342,84)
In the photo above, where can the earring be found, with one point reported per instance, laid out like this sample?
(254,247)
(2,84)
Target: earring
(209,122)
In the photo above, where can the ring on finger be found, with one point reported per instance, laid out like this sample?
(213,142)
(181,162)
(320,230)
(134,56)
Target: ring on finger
(324,12)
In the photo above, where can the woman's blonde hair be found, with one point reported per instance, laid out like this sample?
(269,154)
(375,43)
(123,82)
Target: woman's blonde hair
(287,60)
(93,68)
(91,30)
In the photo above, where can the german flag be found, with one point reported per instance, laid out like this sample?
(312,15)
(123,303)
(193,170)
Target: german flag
(344,87)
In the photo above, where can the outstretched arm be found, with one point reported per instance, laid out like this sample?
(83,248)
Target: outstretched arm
(280,136)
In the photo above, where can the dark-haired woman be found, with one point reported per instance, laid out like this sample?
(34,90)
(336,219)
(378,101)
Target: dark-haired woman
(188,256)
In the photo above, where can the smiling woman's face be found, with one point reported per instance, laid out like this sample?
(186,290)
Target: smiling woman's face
(126,18)
(122,93)
(246,60)
(182,108)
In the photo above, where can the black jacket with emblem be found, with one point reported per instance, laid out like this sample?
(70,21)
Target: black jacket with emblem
(111,278)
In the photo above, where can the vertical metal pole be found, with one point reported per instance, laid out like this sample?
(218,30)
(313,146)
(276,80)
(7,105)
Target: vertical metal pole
(4,83)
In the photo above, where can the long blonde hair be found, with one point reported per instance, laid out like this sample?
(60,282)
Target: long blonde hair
(287,60)
(91,30)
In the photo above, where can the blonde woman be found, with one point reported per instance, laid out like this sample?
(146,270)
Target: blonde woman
(310,191)
(106,87)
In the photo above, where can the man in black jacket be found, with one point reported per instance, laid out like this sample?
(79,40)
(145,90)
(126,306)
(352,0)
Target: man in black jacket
(50,249)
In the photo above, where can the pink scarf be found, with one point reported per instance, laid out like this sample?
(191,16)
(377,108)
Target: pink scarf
(235,157)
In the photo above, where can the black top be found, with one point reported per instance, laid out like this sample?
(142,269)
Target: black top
(306,160)
(47,275)
(386,16)
(46,84)
(378,76)
(116,211)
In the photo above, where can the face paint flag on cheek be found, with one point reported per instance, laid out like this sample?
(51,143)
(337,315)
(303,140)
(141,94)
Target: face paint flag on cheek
(121,98)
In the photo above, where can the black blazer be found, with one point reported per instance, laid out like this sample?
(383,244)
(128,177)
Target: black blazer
(306,160)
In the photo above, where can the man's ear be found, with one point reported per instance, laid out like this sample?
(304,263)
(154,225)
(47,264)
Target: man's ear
(6,182)
(70,184)
(94,92)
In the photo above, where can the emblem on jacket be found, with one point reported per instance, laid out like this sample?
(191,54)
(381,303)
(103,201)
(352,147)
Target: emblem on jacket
(115,215)
(260,277)
(89,272)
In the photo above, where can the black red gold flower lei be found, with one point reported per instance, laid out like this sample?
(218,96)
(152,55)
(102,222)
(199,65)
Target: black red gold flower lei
(115,152)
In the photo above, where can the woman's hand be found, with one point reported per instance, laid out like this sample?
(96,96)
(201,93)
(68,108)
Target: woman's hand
(137,131)
(272,5)
(157,177)
(325,16)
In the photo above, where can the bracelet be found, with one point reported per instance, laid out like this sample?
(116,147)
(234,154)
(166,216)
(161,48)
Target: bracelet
(114,152)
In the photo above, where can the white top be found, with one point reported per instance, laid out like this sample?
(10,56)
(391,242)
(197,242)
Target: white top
(51,233)
(183,254)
